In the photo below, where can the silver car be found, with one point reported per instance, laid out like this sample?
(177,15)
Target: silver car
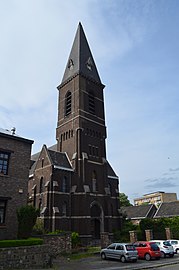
(122,251)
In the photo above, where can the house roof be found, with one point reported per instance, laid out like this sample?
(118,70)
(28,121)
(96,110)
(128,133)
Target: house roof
(12,135)
(139,212)
(168,209)
(81,60)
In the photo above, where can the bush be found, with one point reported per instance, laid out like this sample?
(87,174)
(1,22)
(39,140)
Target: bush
(18,243)
(38,227)
(123,235)
(75,239)
(26,216)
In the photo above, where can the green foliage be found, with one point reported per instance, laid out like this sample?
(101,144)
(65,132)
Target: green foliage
(18,243)
(124,201)
(38,228)
(26,216)
(123,234)
(174,226)
(56,232)
(75,239)
(158,226)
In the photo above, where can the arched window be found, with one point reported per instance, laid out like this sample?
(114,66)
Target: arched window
(68,103)
(64,209)
(91,103)
(64,184)
(41,185)
(94,182)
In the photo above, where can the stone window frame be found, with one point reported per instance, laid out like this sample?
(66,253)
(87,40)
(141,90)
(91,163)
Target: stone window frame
(4,162)
(68,102)
(3,208)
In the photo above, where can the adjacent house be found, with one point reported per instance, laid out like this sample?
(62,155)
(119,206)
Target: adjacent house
(168,210)
(15,153)
(137,213)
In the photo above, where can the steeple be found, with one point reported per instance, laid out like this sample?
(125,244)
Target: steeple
(81,60)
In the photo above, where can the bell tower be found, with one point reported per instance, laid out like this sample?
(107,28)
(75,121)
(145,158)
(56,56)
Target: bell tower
(81,121)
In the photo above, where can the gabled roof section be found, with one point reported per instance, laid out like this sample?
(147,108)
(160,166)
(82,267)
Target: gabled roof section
(139,212)
(81,60)
(60,160)
(110,171)
(168,209)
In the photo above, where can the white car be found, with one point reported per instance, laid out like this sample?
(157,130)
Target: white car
(166,249)
(175,244)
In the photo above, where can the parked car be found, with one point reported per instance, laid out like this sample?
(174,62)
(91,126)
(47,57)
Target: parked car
(147,250)
(175,244)
(166,249)
(122,251)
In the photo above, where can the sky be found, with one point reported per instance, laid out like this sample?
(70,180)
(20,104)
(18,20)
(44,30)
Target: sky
(135,44)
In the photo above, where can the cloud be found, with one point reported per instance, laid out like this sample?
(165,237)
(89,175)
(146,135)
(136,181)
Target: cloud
(160,183)
(174,169)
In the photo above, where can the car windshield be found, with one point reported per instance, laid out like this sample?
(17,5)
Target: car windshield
(154,246)
(166,243)
(130,247)
(174,242)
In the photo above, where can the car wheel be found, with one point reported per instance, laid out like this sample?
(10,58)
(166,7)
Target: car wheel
(103,256)
(163,255)
(177,251)
(171,255)
(123,259)
(147,257)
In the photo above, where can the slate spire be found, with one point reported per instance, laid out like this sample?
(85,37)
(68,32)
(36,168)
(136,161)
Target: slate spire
(81,60)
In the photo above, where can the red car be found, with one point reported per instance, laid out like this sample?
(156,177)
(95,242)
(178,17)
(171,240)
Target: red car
(147,250)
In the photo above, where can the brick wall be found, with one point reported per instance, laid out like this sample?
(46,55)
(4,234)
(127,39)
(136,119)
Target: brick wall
(25,257)
(14,185)
(59,243)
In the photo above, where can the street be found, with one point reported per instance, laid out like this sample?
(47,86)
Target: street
(96,263)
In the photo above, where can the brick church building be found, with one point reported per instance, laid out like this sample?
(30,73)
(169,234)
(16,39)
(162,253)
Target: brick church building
(72,182)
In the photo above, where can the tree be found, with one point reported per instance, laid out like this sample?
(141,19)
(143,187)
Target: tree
(124,201)
(26,216)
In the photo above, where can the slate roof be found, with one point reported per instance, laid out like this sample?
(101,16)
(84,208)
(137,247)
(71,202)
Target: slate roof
(139,212)
(110,171)
(36,155)
(81,59)
(168,209)
(60,160)
(8,134)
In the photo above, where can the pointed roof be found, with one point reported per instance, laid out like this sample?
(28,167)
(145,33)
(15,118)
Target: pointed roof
(168,209)
(81,60)
(59,160)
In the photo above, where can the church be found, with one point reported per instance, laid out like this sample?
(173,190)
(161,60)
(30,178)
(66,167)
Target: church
(72,182)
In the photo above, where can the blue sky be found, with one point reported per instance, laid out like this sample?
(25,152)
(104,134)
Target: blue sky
(135,44)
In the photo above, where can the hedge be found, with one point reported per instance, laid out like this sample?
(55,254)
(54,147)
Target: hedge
(21,242)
